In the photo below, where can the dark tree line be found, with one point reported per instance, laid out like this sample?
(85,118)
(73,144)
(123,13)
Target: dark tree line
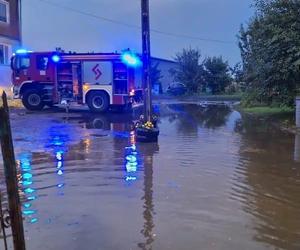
(269,73)
(211,74)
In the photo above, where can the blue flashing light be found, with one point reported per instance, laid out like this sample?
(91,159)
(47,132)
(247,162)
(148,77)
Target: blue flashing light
(29,190)
(131,59)
(59,164)
(29,212)
(25,166)
(22,51)
(60,172)
(31,198)
(134,163)
(33,220)
(27,205)
(27,175)
(57,141)
(61,185)
(55,58)
(27,183)
(59,156)
(131,148)
(131,168)
(130,178)
(25,162)
(131,158)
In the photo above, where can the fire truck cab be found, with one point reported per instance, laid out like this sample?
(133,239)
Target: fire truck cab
(100,80)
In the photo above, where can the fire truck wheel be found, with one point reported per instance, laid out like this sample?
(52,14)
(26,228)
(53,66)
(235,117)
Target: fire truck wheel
(98,101)
(32,100)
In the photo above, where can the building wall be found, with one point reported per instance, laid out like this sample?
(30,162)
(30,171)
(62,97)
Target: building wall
(5,71)
(164,66)
(10,37)
(12,29)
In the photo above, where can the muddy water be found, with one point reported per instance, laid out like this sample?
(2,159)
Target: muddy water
(215,180)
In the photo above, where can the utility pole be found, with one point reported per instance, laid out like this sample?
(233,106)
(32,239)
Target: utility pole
(146,61)
(20,22)
(147,131)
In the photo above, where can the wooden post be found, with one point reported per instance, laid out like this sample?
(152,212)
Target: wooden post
(146,60)
(15,212)
(297,147)
(2,221)
(298,112)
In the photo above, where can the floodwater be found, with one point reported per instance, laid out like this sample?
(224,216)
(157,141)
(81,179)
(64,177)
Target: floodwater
(215,180)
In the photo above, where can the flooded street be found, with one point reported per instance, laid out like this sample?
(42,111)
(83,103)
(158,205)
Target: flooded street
(215,180)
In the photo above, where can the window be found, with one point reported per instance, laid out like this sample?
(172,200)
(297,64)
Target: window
(21,62)
(42,62)
(4,54)
(4,11)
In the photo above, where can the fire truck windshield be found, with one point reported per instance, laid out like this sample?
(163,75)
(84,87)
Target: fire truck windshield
(20,62)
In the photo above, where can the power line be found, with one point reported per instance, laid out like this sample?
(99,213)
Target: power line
(134,26)
(191,37)
(90,14)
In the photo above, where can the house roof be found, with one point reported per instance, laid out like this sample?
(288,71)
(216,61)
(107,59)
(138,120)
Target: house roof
(163,60)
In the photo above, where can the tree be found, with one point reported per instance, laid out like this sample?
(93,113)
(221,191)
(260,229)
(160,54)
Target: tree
(216,74)
(270,50)
(189,70)
(198,75)
(237,74)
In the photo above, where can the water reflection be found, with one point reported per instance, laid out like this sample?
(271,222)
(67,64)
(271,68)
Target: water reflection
(137,157)
(131,159)
(27,163)
(267,182)
(189,117)
(28,191)
(60,170)
(297,148)
(113,122)
(148,151)
(233,180)
(59,137)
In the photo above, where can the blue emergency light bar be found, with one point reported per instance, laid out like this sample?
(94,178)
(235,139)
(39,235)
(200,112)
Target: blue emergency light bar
(22,51)
(55,58)
(131,59)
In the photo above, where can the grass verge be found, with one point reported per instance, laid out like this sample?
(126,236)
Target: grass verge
(268,110)
(197,97)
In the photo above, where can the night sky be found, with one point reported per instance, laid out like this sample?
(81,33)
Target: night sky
(110,25)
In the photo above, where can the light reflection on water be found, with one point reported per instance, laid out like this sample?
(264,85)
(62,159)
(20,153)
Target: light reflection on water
(28,189)
(218,179)
(57,140)
(131,159)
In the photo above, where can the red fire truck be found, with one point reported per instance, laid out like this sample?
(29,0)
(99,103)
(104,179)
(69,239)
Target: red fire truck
(100,80)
